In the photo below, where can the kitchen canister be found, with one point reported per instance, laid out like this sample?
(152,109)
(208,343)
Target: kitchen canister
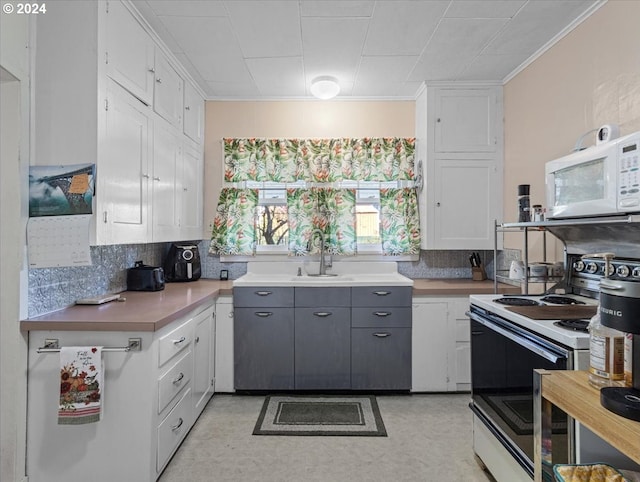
(524,204)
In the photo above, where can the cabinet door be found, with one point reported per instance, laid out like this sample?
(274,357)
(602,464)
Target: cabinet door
(122,195)
(130,52)
(193,113)
(167,94)
(381,358)
(224,345)
(191,193)
(430,347)
(167,162)
(466,204)
(203,369)
(465,120)
(322,348)
(263,348)
(460,363)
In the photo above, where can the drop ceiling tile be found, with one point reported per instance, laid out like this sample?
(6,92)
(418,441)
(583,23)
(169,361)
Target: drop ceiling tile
(535,25)
(233,90)
(203,34)
(402,27)
(491,67)
(332,46)
(266,29)
(336,8)
(188,8)
(484,8)
(221,67)
(394,68)
(282,76)
(455,43)
(194,72)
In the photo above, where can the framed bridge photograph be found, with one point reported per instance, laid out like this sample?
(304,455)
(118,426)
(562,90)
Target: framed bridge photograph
(61,190)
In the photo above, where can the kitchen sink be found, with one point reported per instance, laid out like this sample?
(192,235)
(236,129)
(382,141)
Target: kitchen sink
(345,274)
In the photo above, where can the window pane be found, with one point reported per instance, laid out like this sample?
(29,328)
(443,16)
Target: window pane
(368,223)
(272,225)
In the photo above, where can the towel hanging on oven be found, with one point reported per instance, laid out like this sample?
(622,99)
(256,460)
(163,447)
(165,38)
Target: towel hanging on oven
(81,385)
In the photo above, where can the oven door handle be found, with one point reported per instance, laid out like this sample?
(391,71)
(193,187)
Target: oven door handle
(538,350)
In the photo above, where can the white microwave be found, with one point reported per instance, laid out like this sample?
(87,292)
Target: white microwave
(597,181)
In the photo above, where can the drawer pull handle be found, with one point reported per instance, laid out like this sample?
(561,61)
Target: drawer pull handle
(382,335)
(181,340)
(322,314)
(263,314)
(177,425)
(263,293)
(381,313)
(382,293)
(179,378)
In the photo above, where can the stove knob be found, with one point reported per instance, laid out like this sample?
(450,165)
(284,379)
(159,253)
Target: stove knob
(611,270)
(636,272)
(579,266)
(592,268)
(623,271)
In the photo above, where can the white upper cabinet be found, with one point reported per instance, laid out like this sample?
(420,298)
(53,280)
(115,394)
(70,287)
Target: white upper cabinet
(108,92)
(193,114)
(459,141)
(123,171)
(129,52)
(191,192)
(167,96)
(166,182)
(465,120)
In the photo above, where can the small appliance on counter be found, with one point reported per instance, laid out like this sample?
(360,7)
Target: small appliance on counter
(145,278)
(182,263)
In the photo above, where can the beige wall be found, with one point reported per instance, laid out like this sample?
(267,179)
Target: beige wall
(295,119)
(588,79)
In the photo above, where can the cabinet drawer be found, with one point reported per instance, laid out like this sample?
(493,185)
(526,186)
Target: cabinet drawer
(173,429)
(381,296)
(381,317)
(174,380)
(259,297)
(322,297)
(174,342)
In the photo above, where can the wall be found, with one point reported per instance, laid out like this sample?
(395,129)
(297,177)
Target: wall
(14,159)
(589,78)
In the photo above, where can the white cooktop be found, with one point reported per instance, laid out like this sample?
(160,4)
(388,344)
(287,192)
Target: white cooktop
(570,338)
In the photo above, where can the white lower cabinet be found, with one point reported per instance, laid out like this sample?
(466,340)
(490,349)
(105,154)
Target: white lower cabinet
(441,358)
(224,345)
(150,400)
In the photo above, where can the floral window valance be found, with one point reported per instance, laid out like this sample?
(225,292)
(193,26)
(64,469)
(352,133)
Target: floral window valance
(317,204)
(319,160)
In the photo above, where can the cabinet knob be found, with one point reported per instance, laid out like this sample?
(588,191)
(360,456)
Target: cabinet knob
(438,119)
(381,335)
(187,108)
(159,80)
(322,314)
(156,179)
(151,69)
(438,204)
(197,339)
(381,314)
(181,340)
(263,314)
(146,176)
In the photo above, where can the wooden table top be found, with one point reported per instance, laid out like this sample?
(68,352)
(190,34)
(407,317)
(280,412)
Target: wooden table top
(571,392)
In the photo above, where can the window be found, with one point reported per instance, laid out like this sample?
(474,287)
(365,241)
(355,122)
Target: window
(272,227)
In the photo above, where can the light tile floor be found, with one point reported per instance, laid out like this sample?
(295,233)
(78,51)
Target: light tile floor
(429,439)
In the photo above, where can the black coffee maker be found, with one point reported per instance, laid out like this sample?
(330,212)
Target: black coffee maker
(182,263)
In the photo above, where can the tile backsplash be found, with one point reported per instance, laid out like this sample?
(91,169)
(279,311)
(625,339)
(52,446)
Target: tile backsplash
(52,289)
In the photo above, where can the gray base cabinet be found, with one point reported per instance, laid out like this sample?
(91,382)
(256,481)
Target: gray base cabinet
(323,348)
(381,358)
(263,340)
(289,338)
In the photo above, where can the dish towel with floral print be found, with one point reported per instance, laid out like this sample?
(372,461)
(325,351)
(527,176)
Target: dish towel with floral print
(81,385)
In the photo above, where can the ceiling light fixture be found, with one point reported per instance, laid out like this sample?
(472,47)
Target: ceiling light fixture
(325,87)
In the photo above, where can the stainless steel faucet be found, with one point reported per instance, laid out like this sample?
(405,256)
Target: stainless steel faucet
(323,265)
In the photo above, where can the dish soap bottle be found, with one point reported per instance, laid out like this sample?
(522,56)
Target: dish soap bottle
(606,354)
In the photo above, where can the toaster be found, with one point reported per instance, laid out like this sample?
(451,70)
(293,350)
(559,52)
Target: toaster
(145,278)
